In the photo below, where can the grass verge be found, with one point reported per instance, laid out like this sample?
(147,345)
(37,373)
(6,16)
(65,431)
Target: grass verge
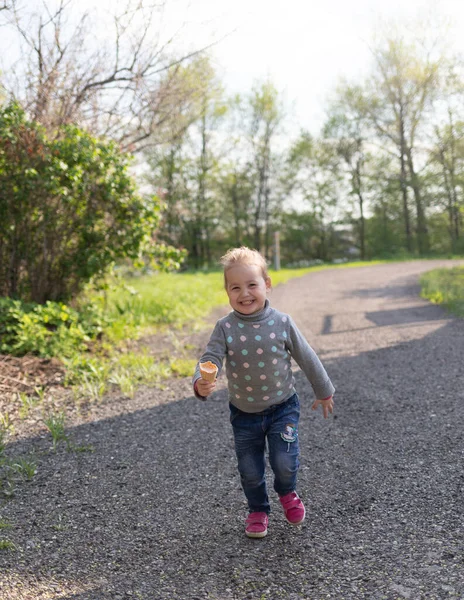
(445,287)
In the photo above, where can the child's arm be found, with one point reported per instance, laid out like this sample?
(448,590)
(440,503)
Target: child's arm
(309,363)
(215,352)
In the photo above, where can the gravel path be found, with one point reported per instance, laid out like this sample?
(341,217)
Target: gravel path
(156,512)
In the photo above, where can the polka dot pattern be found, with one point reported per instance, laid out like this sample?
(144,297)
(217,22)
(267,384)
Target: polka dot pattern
(263,374)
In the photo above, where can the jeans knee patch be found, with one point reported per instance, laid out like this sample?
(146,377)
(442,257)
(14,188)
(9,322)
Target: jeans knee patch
(290,433)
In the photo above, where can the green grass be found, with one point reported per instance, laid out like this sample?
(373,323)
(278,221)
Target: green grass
(55,423)
(446,287)
(7,545)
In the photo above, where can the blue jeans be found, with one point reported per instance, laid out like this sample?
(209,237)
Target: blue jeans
(279,424)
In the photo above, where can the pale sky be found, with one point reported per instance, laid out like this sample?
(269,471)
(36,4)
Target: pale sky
(305,46)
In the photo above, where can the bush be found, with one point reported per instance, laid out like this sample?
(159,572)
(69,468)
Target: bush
(52,329)
(68,209)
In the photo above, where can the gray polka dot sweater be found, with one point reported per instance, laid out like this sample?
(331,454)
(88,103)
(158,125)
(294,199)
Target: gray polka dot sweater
(258,349)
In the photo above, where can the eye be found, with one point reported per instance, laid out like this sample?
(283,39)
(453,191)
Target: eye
(252,284)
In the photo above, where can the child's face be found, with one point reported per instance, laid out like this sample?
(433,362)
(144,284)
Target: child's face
(247,288)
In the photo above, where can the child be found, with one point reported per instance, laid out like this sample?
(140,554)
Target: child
(258,342)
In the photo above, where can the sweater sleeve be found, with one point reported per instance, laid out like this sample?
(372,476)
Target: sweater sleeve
(309,363)
(215,352)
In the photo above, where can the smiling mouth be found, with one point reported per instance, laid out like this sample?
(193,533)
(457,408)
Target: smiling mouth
(247,302)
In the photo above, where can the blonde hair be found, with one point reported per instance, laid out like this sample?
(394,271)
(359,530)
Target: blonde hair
(244,256)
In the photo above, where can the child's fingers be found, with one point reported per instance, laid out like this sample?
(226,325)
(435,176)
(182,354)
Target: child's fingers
(205,387)
(327,406)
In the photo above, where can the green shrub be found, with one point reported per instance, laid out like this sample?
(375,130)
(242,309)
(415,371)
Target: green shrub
(69,209)
(51,329)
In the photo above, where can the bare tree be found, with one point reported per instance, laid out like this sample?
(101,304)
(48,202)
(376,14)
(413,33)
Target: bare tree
(125,87)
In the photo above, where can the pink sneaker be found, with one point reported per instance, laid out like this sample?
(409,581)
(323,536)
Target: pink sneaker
(293,508)
(256,525)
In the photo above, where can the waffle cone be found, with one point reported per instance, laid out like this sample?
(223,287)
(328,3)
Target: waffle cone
(208,371)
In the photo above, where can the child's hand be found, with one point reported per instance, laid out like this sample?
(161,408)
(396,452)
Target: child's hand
(327,406)
(205,388)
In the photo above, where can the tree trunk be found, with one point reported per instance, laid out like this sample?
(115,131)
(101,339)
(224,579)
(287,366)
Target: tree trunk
(236,210)
(404,189)
(422,230)
(362,223)
(450,201)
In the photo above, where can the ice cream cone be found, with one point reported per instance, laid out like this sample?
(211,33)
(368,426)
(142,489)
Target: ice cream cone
(208,371)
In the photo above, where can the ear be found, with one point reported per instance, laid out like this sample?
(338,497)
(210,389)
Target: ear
(268,283)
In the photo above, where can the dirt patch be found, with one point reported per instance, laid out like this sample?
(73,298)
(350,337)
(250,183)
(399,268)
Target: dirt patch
(28,373)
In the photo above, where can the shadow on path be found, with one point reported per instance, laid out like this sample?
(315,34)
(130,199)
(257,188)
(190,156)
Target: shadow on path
(156,512)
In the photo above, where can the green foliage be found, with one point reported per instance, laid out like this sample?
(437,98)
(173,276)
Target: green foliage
(27,404)
(3,436)
(23,467)
(55,423)
(51,329)
(7,545)
(13,469)
(69,209)
(183,367)
(445,286)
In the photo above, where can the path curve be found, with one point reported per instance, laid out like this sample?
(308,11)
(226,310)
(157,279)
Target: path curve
(156,511)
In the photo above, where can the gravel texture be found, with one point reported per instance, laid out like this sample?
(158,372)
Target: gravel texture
(156,512)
